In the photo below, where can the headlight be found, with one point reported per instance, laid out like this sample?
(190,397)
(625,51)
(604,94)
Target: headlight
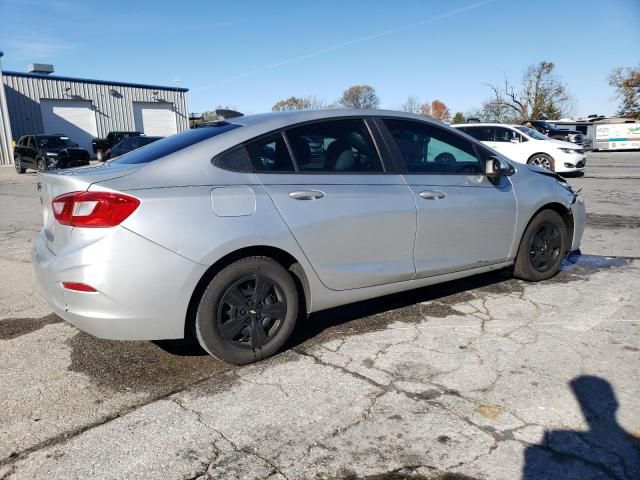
(51,154)
(567,150)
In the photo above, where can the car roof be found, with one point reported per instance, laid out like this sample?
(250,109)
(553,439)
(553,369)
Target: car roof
(299,116)
(255,125)
(509,125)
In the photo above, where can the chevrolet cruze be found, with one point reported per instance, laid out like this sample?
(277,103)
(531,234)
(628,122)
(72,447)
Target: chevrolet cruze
(233,231)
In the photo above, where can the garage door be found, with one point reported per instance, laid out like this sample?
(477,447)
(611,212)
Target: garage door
(155,118)
(73,118)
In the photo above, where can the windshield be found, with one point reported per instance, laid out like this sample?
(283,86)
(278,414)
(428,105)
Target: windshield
(530,132)
(50,141)
(172,144)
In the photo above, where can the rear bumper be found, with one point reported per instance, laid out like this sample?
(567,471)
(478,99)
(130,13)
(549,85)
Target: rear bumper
(143,290)
(579,220)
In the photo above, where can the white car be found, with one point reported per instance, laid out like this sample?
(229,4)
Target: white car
(526,145)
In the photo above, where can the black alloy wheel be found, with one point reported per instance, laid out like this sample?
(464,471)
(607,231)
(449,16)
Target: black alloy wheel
(248,310)
(251,311)
(18,164)
(544,244)
(544,247)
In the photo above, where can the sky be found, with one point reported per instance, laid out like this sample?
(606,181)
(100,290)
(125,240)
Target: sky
(248,54)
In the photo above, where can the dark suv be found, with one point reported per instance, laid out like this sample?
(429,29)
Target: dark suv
(550,131)
(44,152)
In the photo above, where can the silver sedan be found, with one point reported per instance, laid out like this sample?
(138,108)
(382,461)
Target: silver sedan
(232,232)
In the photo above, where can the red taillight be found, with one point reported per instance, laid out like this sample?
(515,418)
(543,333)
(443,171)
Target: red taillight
(93,209)
(78,287)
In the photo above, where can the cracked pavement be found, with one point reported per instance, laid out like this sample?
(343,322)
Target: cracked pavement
(483,378)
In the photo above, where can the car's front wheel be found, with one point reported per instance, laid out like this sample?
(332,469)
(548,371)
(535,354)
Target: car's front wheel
(542,160)
(18,163)
(247,311)
(42,165)
(542,248)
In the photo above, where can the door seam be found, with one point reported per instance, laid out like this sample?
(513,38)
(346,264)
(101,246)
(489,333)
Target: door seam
(415,233)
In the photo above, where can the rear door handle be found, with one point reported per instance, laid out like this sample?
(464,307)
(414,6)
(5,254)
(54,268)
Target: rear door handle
(432,195)
(306,195)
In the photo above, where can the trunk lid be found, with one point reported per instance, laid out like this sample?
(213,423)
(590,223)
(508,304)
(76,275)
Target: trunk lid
(52,184)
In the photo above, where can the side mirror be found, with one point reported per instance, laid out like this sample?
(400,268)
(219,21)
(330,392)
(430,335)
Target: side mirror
(496,168)
(515,140)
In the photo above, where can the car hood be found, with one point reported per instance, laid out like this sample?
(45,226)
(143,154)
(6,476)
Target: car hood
(563,144)
(63,150)
(544,171)
(566,131)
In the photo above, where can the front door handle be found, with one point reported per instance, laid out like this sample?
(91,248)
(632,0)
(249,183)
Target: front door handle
(306,195)
(432,195)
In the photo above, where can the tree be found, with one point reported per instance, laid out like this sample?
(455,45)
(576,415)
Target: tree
(310,102)
(412,105)
(436,109)
(626,81)
(458,118)
(440,111)
(541,94)
(360,96)
(493,111)
(425,110)
(291,103)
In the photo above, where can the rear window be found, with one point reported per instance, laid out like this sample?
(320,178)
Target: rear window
(172,144)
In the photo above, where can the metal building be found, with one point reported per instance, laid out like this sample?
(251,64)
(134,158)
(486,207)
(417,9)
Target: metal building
(40,103)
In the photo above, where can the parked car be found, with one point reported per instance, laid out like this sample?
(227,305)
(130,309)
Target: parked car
(564,134)
(101,145)
(230,232)
(128,145)
(45,152)
(526,145)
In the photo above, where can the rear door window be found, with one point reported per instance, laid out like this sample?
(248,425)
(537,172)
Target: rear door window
(270,154)
(429,149)
(484,134)
(506,134)
(334,146)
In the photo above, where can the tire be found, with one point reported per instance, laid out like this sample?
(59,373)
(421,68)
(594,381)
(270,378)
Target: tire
(100,155)
(540,254)
(542,160)
(18,163)
(230,301)
(41,164)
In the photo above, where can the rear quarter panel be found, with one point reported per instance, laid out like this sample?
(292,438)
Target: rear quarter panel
(182,220)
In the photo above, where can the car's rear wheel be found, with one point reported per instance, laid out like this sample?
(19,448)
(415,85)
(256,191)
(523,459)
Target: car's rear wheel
(542,160)
(542,248)
(247,311)
(18,163)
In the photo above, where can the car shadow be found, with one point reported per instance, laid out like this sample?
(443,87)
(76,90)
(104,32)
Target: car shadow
(604,450)
(373,314)
(378,313)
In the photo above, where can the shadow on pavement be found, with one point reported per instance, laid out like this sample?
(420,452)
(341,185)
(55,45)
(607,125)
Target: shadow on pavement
(378,313)
(605,450)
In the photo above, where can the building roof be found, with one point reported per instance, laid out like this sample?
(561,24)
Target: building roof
(88,80)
